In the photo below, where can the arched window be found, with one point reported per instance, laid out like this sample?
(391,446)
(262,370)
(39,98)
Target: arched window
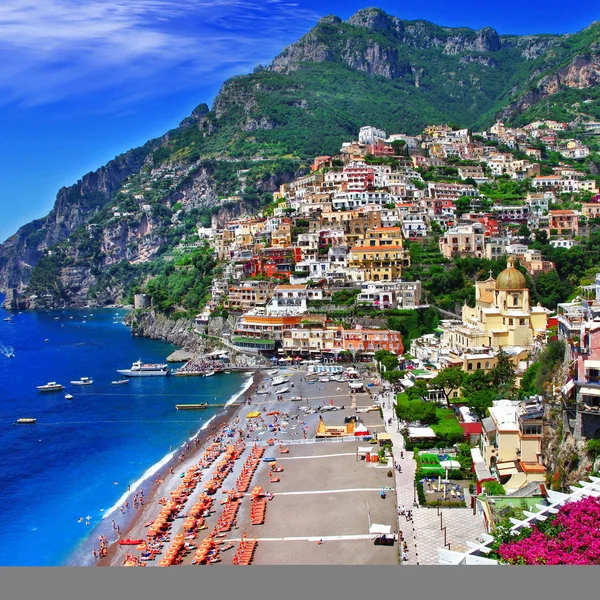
(515,299)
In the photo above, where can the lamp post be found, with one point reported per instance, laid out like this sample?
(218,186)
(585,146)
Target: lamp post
(414,493)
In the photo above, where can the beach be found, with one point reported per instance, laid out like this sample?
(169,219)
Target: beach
(323,494)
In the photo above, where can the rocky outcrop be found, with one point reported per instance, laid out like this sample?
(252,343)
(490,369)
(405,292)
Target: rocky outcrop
(179,332)
(581,73)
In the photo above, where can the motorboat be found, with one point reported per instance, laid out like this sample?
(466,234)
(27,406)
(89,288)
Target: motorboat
(279,381)
(51,386)
(139,369)
(83,381)
(296,398)
(272,372)
(26,421)
(209,374)
(262,392)
(120,382)
(283,390)
(68,397)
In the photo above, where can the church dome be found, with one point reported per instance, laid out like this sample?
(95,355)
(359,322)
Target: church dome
(511,278)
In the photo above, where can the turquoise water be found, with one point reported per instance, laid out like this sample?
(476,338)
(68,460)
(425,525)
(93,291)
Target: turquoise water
(65,466)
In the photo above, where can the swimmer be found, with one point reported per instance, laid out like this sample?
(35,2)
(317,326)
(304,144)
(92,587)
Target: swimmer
(80,520)
(116,482)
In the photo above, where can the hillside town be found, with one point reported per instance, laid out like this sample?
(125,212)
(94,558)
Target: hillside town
(320,273)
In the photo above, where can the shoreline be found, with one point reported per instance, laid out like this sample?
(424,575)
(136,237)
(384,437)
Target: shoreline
(165,479)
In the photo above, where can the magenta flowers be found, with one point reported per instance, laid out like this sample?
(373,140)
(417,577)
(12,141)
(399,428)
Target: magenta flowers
(572,537)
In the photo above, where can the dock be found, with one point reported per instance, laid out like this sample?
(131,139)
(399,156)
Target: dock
(204,405)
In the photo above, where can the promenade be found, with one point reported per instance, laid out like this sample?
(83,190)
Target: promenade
(430,528)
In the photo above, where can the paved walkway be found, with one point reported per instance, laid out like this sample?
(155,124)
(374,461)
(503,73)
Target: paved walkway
(425,534)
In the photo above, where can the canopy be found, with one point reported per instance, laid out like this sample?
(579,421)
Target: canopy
(361,430)
(450,464)
(365,450)
(379,529)
(421,432)
(288,359)
(384,436)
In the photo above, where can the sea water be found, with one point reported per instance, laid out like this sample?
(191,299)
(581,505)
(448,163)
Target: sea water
(78,460)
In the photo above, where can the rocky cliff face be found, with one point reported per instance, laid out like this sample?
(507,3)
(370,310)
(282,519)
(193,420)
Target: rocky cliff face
(150,324)
(73,207)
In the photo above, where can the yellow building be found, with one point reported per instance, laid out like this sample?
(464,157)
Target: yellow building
(502,312)
(511,443)
(380,263)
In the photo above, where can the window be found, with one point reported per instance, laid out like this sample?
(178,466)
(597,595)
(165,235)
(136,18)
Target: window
(469,366)
(510,321)
(487,364)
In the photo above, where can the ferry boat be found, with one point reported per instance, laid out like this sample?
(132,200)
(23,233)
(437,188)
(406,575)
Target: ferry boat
(279,380)
(139,369)
(83,381)
(52,386)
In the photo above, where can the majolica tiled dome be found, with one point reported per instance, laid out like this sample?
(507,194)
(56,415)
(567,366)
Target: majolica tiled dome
(511,278)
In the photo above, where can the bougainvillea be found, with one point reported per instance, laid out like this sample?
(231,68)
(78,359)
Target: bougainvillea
(571,537)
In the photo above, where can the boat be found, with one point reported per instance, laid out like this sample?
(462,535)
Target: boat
(7,319)
(139,369)
(296,398)
(26,421)
(130,542)
(273,372)
(120,382)
(83,381)
(51,386)
(279,381)
(68,397)
(283,390)
(262,392)
(209,374)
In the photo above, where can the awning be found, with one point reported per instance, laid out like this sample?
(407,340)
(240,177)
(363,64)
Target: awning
(590,390)
(383,436)
(421,432)
(591,364)
(507,468)
(365,450)
(379,529)
(568,386)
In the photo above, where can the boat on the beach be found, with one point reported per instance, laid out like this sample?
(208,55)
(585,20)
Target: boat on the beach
(68,397)
(273,372)
(283,390)
(139,369)
(279,380)
(26,421)
(83,381)
(296,398)
(120,382)
(51,386)
(130,542)
(262,392)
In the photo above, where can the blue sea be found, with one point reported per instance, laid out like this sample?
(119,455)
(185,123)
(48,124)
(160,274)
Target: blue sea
(81,455)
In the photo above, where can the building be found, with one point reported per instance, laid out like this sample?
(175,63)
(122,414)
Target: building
(465,240)
(379,263)
(371,135)
(292,299)
(261,332)
(393,294)
(511,443)
(246,295)
(563,222)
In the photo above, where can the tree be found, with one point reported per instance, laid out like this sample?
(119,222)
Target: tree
(475,382)
(503,374)
(399,147)
(480,401)
(463,204)
(449,380)
(528,387)
(524,231)
(541,237)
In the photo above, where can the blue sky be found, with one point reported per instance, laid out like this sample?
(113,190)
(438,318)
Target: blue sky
(84,80)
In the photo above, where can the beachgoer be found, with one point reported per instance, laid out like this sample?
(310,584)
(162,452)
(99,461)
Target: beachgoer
(129,488)
(404,557)
(114,525)
(95,553)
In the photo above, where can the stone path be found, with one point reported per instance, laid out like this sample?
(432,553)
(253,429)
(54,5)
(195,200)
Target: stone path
(425,534)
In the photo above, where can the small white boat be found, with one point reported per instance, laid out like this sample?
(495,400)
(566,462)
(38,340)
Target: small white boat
(273,372)
(83,381)
(120,382)
(262,392)
(283,390)
(279,381)
(209,374)
(51,386)
(68,397)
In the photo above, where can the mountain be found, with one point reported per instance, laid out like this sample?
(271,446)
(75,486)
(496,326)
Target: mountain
(107,231)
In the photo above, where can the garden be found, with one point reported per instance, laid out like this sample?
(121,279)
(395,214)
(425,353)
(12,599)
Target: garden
(570,537)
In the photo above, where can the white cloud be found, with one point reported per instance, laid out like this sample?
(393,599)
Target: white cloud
(56,49)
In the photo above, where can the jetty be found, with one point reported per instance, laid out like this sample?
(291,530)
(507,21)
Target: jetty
(204,405)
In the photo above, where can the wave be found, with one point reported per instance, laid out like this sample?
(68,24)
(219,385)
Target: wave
(147,473)
(6,350)
(245,388)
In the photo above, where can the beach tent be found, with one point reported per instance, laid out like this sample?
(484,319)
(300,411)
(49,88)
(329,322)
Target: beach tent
(361,430)
(273,359)
(288,359)
(380,529)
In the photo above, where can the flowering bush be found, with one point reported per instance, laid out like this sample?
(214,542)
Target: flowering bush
(571,537)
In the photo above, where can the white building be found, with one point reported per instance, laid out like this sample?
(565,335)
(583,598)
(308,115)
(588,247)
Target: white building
(370,135)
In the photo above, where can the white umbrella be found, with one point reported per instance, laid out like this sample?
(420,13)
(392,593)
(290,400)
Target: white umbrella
(450,464)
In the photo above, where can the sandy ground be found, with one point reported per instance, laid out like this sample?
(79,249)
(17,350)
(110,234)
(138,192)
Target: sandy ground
(325,492)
